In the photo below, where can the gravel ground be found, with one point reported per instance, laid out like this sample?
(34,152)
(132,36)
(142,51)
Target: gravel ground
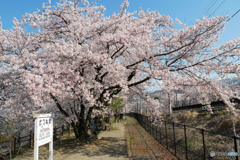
(141,145)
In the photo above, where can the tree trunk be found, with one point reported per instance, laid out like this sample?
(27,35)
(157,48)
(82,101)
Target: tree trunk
(103,121)
(75,129)
(81,127)
(115,118)
(82,131)
(118,115)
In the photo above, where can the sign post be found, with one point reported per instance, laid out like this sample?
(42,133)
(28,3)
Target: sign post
(43,133)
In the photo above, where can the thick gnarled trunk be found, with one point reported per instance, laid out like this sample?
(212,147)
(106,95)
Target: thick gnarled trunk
(81,127)
(83,130)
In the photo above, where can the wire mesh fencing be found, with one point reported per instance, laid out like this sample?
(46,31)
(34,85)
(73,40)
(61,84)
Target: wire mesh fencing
(189,143)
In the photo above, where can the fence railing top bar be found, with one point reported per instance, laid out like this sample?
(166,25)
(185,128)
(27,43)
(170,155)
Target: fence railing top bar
(225,135)
(4,142)
(205,130)
(182,124)
(25,136)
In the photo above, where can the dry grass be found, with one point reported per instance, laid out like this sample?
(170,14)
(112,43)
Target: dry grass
(3,138)
(220,122)
(188,115)
(225,125)
(194,137)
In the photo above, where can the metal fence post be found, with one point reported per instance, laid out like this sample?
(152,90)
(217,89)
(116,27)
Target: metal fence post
(166,133)
(160,134)
(185,141)
(147,126)
(144,122)
(204,148)
(236,146)
(151,128)
(174,139)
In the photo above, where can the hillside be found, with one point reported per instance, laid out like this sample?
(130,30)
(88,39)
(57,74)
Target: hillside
(220,122)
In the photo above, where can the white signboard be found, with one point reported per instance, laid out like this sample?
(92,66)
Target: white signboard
(43,133)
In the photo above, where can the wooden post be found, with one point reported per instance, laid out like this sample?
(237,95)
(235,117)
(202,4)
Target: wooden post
(63,130)
(69,128)
(31,139)
(13,145)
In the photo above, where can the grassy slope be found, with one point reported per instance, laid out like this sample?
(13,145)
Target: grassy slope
(218,122)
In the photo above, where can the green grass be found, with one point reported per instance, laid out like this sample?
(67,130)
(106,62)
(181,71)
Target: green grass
(22,150)
(194,143)
(203,122)
(213,141)
(114,128)
(190,121)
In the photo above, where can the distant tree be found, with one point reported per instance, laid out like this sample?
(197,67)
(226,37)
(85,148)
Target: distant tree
(116,106)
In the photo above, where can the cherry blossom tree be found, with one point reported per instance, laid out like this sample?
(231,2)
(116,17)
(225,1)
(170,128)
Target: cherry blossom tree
(77,52)
(16,105)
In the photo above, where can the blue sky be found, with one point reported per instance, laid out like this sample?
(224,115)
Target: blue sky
(185,10)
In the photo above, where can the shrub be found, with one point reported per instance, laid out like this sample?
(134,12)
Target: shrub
(225,125)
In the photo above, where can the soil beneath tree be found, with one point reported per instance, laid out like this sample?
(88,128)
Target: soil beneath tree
(110,145)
